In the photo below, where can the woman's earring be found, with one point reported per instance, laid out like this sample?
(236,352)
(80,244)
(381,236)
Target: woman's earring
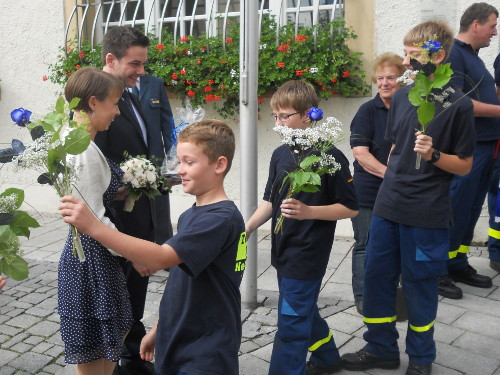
(93,114)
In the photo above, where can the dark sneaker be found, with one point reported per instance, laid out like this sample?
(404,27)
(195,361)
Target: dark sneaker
(313,368)
(363,360)
(470,277)
(448,289)
(495,265)
(416,369)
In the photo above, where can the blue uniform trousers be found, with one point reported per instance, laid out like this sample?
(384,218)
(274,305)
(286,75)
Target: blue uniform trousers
(494,230)
(419,255)
(300,329)
(467,198)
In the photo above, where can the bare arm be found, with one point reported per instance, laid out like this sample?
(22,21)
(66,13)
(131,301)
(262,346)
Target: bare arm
(449,163)
(486,110)
(369,163)
(138,251)
(260,216)
(295,209)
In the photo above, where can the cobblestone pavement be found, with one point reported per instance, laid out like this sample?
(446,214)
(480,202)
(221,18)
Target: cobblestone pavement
(467,330)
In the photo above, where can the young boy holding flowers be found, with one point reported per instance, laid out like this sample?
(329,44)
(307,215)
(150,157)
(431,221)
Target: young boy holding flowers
(409,233)
(199,329)
(301,249)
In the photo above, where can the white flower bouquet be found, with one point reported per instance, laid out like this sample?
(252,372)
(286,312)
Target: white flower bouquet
(140,177)
(309,148)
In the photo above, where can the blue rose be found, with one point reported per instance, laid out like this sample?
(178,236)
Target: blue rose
(21,116)
(432,46)
(315,114)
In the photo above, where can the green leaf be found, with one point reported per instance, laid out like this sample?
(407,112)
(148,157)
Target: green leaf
(17,268)
(21,222)
(415,97)
(74,102)
(442,76)
(60,105)
(426,113)
(54,158)
(19,193)
(77,141)
(309,161)
(309,188)
(7,235)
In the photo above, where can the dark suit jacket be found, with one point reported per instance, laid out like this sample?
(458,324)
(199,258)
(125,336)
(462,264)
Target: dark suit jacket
(158,114)
(124,134)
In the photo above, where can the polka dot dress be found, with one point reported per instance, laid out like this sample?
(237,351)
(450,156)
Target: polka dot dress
(93,300)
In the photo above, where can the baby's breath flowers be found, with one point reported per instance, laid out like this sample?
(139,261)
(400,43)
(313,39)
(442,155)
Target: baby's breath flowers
(56,139)
(140,177)
(429,81)
(309,149)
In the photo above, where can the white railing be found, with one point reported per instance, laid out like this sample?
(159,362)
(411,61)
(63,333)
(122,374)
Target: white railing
(92,18)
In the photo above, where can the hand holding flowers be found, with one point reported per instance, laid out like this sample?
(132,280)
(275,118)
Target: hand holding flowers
(309,148)
(140,177)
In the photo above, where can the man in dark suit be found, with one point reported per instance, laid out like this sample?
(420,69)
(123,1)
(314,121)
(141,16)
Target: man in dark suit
(124,53)
(159,120)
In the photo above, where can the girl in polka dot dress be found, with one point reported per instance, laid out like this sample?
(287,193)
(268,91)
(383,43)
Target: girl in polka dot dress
(93,300)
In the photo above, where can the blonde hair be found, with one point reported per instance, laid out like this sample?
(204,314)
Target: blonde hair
(295,94)
(431,30)
(88,82)
(389,59)
(215,137)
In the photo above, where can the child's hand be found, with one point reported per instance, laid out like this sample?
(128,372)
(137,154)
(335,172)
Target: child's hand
(294,209)
(75,212)
(148,343)
(142,270)
(423,145)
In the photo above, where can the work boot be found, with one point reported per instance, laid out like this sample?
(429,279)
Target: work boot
(469,276)
(362,360)
(313,368)
(416,369)
(448,289)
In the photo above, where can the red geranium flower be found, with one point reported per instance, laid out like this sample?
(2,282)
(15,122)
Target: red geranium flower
(301,38)
(208,88)
(199,61)
(190,93)
(334,79)
(183,71)
(223,61)
(174,76)
(68,48)
(281,64)
(81,54)
(333,91)
(216,97)
(209,98)
(260,99)
(160,47)
(184,39)
(229,41)
(283,48)
(299,72)
(77,67)
(44,78)
(189,82)
(211,81)
(346,74)
(203,48)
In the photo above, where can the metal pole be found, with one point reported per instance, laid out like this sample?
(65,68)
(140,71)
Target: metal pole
(249,39)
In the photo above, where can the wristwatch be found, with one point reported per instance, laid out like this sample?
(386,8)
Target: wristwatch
(435,156)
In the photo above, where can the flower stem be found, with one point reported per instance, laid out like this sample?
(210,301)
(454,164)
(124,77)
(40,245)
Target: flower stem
(278,228)
(77,244)
(417,161)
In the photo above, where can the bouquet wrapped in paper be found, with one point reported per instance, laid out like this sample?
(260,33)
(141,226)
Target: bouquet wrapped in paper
(185,116)
(140,177)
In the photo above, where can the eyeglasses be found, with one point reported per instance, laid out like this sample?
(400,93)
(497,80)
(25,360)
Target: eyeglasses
(283,118)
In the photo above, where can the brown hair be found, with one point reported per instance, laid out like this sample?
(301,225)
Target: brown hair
(390,59)
(477,11)
(88,82)
(295,94)
(215,137)
(431,30)
(118,39)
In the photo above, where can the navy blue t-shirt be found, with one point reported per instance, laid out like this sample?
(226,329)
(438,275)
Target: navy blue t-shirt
(496,66)
(468,71)
(368,130)
(302,250)
(199,329)
(421,197)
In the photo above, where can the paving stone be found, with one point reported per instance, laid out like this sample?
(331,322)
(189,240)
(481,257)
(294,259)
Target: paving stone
(52,368)
(345,322)
(33,340)
(37,311)
(44,328)
(249,363)
(42,347)
(23,321)
(30,362)
(21,305)
(447,334)
(6,356)
(21,347)
(7,370)
(448,313)
(465,361)
(14,340)
(9,330)
(55,351)
(483,324)
(248,346)
(479,344)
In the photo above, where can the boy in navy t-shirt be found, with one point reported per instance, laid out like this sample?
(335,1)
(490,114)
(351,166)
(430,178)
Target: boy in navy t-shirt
(199,328)
(301,251)
(409,233)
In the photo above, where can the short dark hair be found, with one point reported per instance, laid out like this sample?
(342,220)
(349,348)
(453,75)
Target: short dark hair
(118,39)
(215,137)
(88,82)
(477,11)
